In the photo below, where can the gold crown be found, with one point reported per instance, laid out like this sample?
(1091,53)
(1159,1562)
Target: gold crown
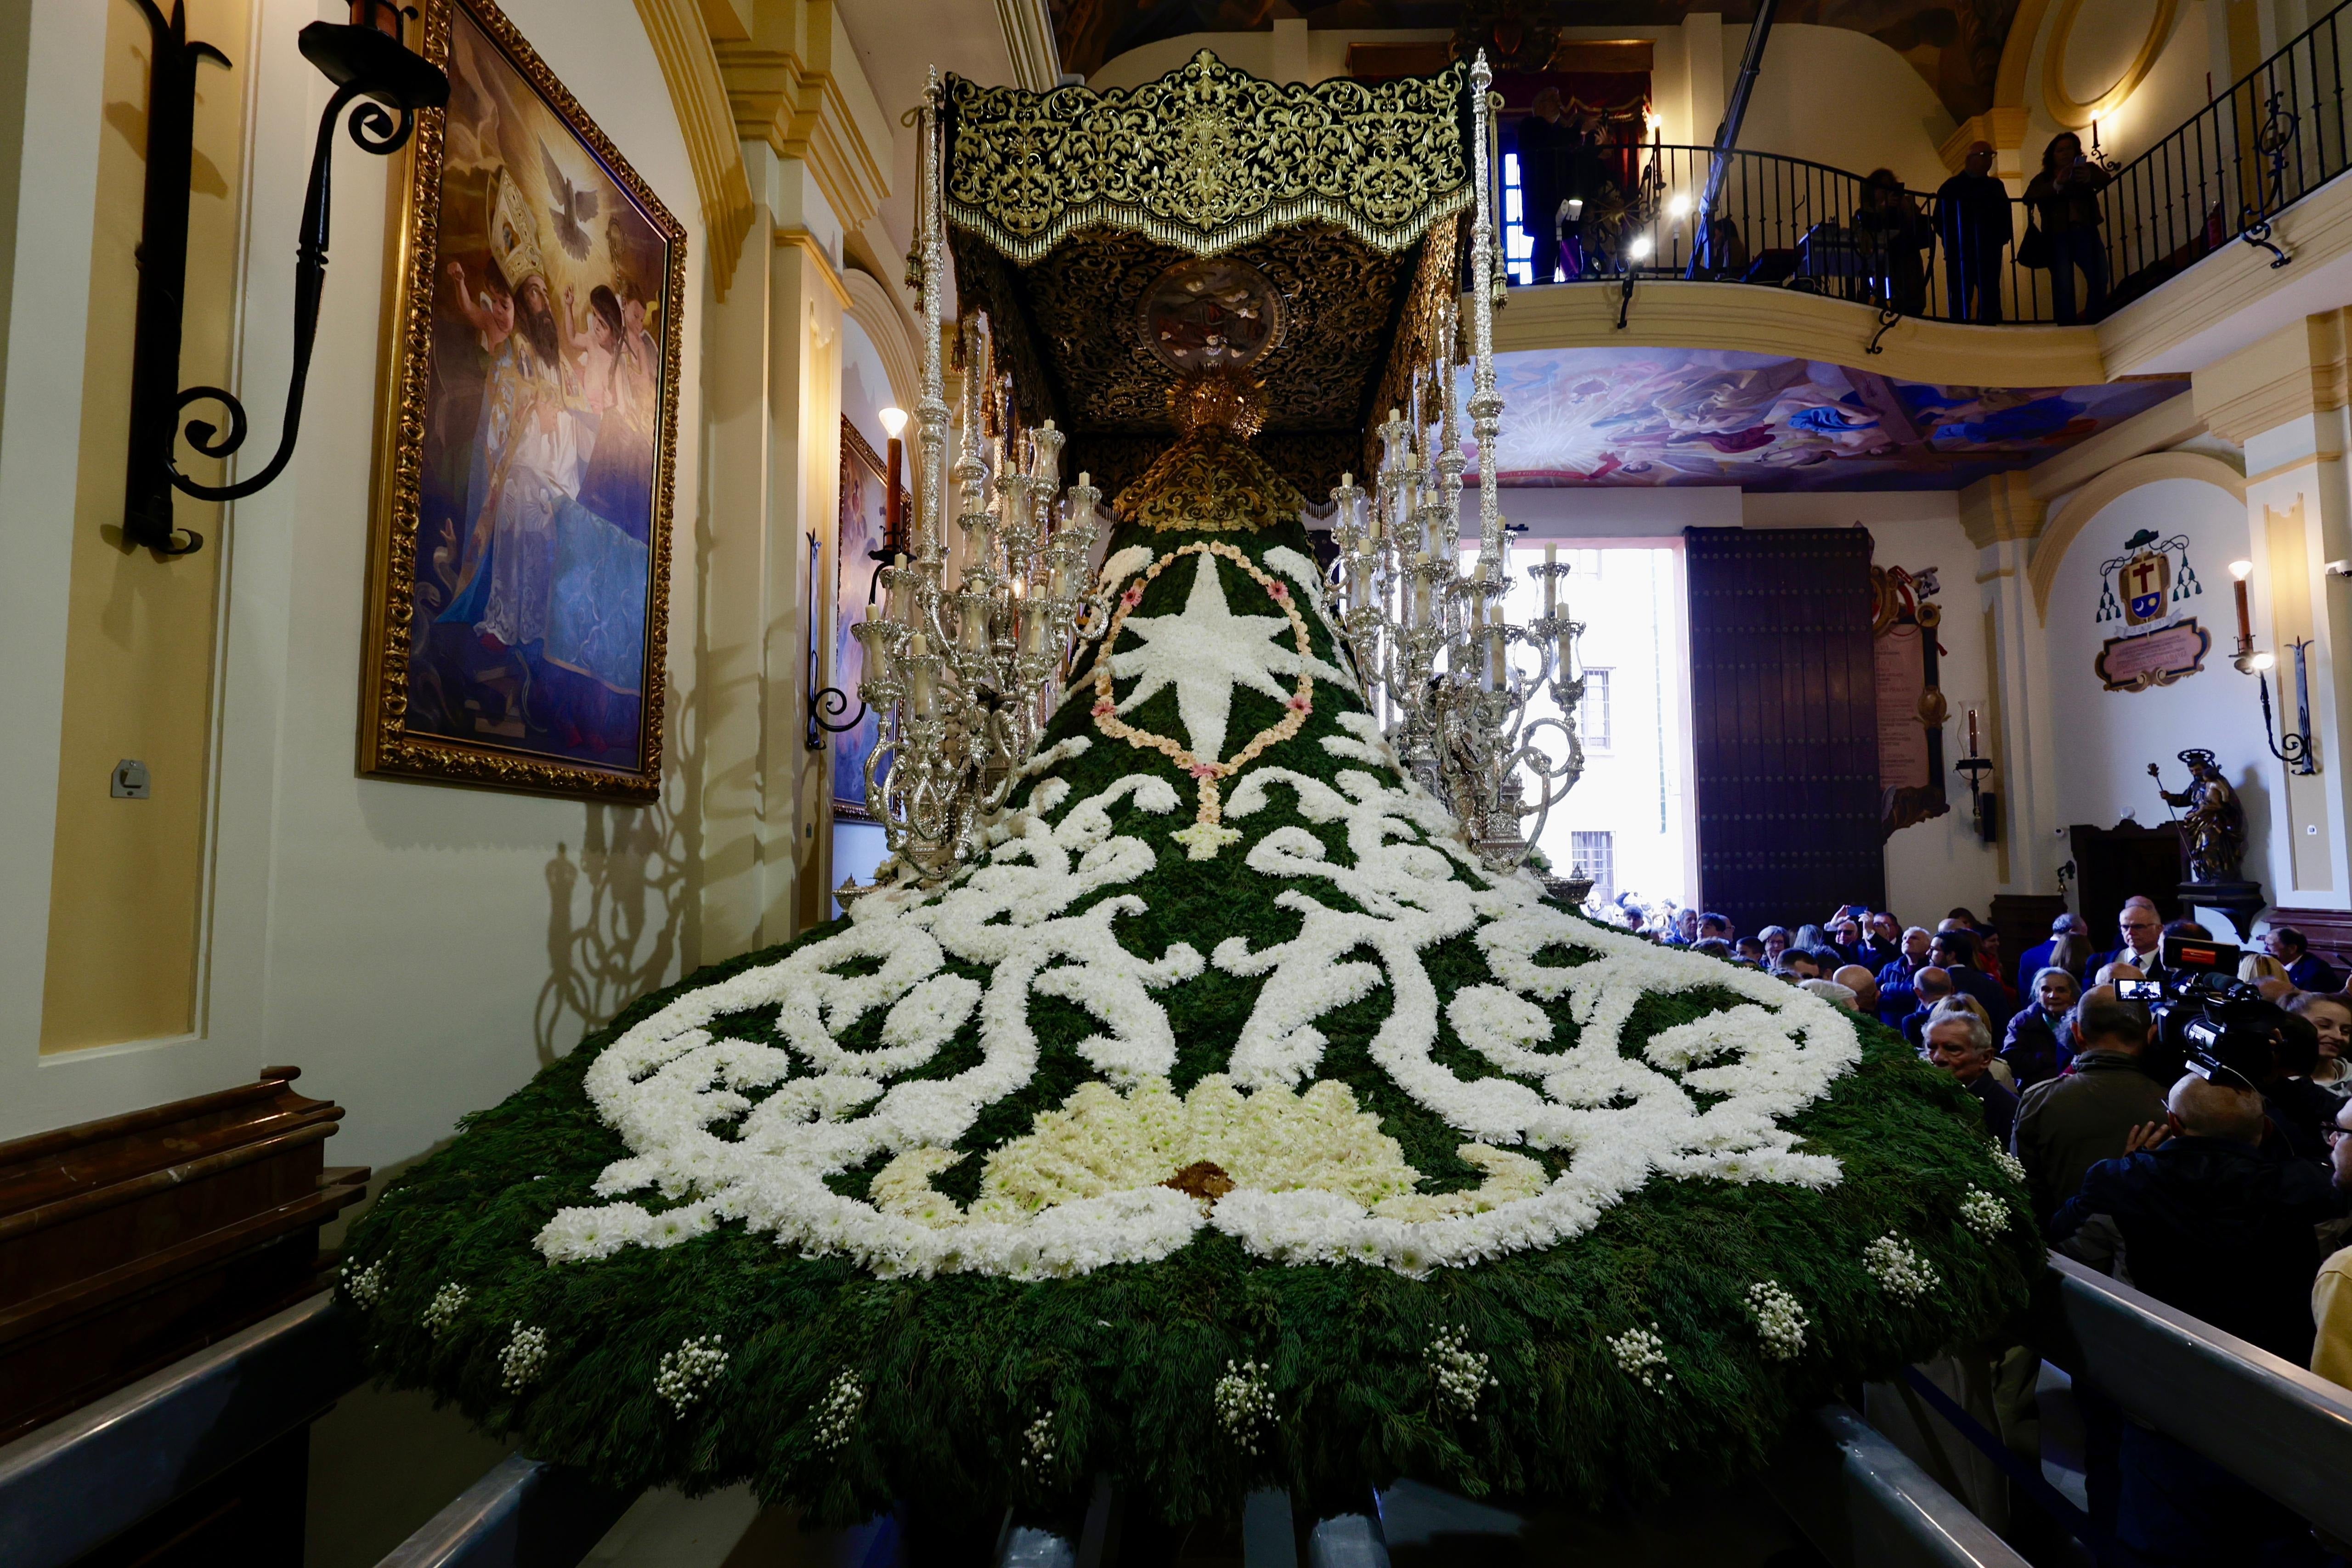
(1220,396)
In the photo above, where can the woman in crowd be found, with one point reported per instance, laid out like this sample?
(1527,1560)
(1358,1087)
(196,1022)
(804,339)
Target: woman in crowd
(2331,1016)
(2064,200)
(1776,942)
(2037,1046)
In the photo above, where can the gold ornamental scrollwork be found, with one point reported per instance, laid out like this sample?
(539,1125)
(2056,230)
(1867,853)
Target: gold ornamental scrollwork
(1206,158)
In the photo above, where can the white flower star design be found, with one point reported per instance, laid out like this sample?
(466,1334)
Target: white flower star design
(1204,652)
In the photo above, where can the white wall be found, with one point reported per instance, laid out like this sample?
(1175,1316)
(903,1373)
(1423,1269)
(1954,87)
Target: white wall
(419,951)
(2116,733)
(1840,97)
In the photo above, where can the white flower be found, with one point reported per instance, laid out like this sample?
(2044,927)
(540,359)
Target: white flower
(1461,1374)
(686,1373)
(1900,1272)
(723,1129)
(1641,1355)
(1244,1404)
(446,1304)
(525,1354)
(365,1287)
(2011,1165)
(838,1415)
(1780,1321)
(1985,1214)
(1039,1438)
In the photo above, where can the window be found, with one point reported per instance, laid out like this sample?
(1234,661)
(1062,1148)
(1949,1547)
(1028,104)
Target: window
(1595,855)
(1592,713)
(1518,246)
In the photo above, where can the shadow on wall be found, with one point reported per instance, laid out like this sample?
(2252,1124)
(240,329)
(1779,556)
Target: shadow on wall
(617,916)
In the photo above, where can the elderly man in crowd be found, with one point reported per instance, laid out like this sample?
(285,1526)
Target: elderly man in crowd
(1862,983)
(1883,944)
(2104,1109)
(2142,932)
(1928,986)
(1960,1043)
(1897,996)
(2306,969)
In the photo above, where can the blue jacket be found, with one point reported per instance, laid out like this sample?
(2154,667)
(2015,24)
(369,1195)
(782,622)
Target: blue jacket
(1897,996)
(2312,973)
(2216,1230)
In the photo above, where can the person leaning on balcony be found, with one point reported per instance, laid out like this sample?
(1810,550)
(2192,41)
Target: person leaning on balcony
(2064,200)
(1973,220)
(1898,231)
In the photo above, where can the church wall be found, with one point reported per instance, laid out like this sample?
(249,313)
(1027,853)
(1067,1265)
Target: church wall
(419,951)
(1879,111)
(2107,739)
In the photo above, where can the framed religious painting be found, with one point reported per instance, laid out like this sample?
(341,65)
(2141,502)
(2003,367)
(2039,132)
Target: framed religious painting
(518,609)
(865,522)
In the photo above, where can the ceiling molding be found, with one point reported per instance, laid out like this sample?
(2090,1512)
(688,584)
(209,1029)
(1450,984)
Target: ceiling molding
(2168,423)
(801,91)
(2000,508)
(2062,106)
(1029,39)
(2093,498)
(2298,370)
(689,67)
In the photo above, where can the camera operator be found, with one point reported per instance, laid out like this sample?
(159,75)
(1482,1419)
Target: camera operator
(2066,1126)
(2213,1228)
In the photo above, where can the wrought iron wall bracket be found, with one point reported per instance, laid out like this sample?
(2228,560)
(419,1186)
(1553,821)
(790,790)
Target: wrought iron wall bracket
(1887,317)
(365,64)
(2257,236)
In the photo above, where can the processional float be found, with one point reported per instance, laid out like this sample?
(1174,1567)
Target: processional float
(1202,1101)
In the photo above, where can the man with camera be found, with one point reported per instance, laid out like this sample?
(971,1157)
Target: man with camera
(2211,1226)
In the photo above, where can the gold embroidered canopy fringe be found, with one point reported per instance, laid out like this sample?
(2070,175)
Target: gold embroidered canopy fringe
(1206,158)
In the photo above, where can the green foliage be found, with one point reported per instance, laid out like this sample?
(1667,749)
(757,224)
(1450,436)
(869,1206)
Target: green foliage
(1121,1363)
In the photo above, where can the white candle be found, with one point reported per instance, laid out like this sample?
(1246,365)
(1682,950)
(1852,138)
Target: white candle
(1552,584)
(1420,575)
(917,652)
(1498,666)
(1033,636)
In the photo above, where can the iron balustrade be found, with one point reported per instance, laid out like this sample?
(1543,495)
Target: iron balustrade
(2222,178)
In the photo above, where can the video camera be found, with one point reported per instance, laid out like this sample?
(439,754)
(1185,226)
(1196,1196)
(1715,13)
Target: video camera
(2224,1029)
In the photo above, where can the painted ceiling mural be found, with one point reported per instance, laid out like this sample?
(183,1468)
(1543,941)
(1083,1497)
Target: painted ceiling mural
(1634,417)
(1954,44)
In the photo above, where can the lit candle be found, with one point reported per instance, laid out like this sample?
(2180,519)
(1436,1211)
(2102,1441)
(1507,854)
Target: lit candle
(2241,570)
(1551,582)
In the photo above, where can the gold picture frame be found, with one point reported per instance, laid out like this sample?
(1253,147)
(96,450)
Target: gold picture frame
(525,467)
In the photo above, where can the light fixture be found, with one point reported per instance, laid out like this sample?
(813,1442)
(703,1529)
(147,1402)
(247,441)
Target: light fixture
(1639,249)
(894,422)
(1680,205)
(2242,569)
(365,58)
(2340,569)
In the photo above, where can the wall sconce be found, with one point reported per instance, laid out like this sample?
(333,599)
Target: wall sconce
(894,530)
(1976,765)
(827,704)
(2293,749)
(365,58)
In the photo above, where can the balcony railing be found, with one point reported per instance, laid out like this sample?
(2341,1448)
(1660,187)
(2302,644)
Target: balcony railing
(2222,177)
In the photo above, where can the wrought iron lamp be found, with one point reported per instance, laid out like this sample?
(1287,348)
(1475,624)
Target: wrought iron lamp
(365,58)
(2294,749)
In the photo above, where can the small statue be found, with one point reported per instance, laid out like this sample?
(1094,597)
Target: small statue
(2215,831)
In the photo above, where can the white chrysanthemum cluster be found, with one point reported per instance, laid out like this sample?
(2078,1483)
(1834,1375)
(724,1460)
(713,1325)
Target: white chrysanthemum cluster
(365,1287)
(1039,1439)
(1780,1321)
(443,1310)
(2011,1165)
(726,1129)
(524,1357)
(838,1415)
(1985,1215)
(1641,1355)
(1462,1374)
(1900,1272)
(686,1373)
(1244,1404)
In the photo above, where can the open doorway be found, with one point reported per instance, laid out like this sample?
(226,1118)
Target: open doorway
(1628,823)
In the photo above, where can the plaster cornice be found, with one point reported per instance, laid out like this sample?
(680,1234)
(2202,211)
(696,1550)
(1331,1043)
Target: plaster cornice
(800,239)
(1740,316)
(2091,498)
(799,89)
(2293,373)
(2317,230)
(2000,508)
(1029,38)
(690,67)
(2167,424)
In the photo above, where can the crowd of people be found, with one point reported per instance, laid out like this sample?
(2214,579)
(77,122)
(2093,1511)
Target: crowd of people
(2221,1191)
